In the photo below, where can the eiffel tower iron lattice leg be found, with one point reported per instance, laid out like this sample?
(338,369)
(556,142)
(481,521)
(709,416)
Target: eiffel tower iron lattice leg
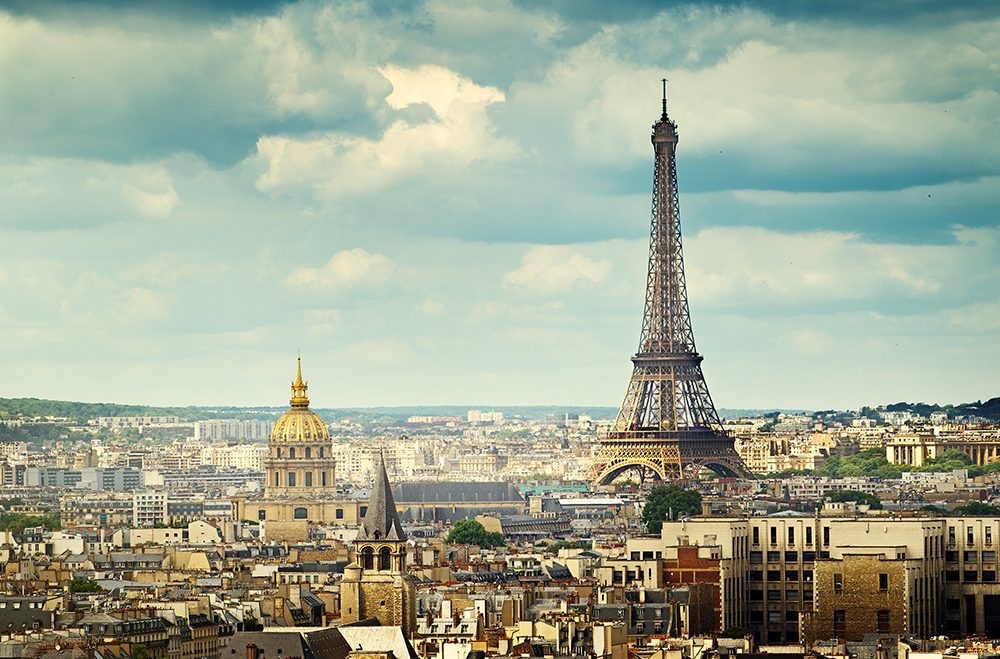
(667,427)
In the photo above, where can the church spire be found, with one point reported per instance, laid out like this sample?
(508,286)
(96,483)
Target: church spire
(381,520)
(300,389)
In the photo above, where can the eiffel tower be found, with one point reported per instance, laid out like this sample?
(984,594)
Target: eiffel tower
(668,427)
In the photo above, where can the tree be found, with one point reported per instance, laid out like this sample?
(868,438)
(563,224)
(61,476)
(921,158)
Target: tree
(854,496)
(976,509)
(666,499)
(471,532)
(734,632)
(81,585)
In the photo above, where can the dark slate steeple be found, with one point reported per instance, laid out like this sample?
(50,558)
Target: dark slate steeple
(381,520)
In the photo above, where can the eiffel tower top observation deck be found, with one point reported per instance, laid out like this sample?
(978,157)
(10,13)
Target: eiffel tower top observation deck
(667,423)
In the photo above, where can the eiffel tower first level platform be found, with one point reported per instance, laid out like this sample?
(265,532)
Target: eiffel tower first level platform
(668,427)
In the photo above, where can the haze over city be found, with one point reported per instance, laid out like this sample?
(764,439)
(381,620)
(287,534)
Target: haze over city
(449,204)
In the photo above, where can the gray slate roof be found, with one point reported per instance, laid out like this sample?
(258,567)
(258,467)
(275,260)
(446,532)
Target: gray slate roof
(381,520)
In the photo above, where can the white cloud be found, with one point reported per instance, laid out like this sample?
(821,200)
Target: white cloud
(334,164)
(64,192)
(380,351)
(145,305)
(345,269)
(749,265)
(550,268)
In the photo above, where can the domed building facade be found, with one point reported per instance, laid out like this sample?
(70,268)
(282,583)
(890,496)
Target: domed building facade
(299,462)
(299,476)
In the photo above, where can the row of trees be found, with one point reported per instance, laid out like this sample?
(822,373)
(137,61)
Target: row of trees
(873,463)
(16,522)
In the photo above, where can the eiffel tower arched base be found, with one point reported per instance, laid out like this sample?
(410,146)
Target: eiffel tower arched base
(666,460)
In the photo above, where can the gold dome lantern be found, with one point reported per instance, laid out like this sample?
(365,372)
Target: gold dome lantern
(299,424)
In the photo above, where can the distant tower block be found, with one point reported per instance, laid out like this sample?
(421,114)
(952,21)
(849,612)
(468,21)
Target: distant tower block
(668,427)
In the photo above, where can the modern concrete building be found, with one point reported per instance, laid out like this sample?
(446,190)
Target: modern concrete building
(769,567)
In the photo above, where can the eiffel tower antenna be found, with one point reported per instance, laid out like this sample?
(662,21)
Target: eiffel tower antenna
(667,426)
(664,115)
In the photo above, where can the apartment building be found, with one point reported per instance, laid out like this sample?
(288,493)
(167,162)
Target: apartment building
(149,508)
(768,569)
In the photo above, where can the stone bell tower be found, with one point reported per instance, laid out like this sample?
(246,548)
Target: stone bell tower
(375,584)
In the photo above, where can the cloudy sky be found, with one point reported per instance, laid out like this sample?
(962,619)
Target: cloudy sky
(448,202)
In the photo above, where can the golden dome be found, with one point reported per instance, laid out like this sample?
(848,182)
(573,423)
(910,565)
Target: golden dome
(299,424)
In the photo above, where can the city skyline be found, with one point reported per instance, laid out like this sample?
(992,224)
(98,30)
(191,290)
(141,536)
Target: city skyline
(439,204)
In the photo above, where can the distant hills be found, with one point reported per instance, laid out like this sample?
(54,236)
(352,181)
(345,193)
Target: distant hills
(989,409)
(80,412)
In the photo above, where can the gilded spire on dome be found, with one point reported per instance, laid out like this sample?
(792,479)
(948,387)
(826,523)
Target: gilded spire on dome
(300,389)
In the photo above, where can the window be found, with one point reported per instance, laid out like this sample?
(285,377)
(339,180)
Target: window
(339,514)
(323,475)
(300,513)
(989,556)
(838,582)
(756,557)
(384,559)
(791,575)
(988,533)
(951,575)
(756,535)
(291,452)
(774,557)
(756,616)
(774,535)
(774,575)
(276,480)
(951,556)
(883,582)
(792,596)
(970,576)
(774,596)
(756,595)
(839,622)
(989,576)
(756,575)
(774,616)
(807,575)
(951,535)
(809,535)
(791,535)
(883,621)
(807,595)
(791,557)
(826,536)
(291,479)
(260,514)
(309,479)
(791,616)
(970,537)
(808,556)
(308,452)
(953,604)
(368,558)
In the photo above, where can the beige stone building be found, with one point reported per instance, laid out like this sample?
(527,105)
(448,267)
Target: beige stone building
(768,567)
(858,594)
(982,446)
(300,486)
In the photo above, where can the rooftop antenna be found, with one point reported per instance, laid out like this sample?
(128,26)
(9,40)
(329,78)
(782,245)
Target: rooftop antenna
(664,80)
